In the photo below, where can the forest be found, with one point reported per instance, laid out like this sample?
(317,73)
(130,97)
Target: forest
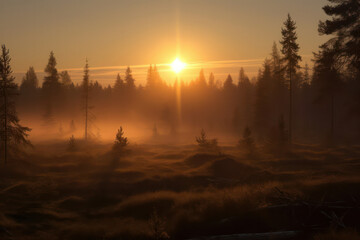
(276,156)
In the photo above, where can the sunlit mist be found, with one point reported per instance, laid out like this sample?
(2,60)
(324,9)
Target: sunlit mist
(180,120)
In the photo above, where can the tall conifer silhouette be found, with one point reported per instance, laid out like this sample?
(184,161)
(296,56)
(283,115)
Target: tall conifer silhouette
(290,49)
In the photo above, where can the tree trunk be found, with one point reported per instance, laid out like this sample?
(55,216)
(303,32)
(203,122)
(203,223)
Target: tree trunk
(86,111)
(5,122)
(332,112)
(290,108)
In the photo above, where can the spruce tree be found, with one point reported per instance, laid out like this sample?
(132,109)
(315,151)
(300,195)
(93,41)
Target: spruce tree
(12,133)
(290,50)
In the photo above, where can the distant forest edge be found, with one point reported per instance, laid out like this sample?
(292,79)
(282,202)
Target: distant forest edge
(321,106)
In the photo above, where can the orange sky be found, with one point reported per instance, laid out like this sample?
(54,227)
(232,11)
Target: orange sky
(217,35)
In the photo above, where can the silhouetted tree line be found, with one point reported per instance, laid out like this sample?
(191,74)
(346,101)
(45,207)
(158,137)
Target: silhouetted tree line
(284,102)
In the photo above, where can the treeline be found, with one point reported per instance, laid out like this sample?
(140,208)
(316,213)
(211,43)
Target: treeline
(322,105)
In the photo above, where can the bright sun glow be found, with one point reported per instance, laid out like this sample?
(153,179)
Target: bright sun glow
(177,65)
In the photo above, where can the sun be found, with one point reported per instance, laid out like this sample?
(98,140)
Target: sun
(177,65)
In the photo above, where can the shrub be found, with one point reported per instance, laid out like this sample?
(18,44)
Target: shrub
(120,141)
(204,143)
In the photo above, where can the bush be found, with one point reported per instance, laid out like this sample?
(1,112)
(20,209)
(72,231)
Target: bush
(204,143)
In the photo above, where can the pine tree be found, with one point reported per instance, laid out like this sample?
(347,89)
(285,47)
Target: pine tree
(85,85)
(202,139)
(51,82)
(12,133)
(345,26)
(290,50)
(120,141)
(129,80)
(204,143)
(228,84)
(119,83)
(51,88)
(65,79)
(29,82)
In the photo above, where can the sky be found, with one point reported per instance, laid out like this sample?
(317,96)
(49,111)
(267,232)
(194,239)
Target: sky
(218,35)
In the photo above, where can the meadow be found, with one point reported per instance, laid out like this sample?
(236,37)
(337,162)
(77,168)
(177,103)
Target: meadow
(164,191)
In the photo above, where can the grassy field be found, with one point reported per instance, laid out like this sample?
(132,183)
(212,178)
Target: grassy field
(177,192)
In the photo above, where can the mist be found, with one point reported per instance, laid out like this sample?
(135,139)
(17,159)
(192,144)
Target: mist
(272,155)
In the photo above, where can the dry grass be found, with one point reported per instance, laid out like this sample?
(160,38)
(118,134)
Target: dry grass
(94,194)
